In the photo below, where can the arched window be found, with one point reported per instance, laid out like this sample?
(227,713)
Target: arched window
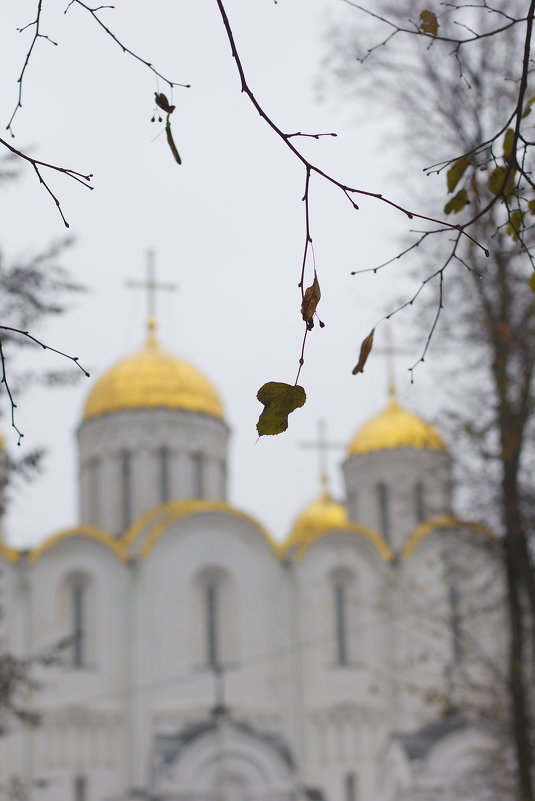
(419,505)
(211,622)
(126,485)
(79,618)
(164,465)
(350,787)
(94,490)
(80,788)
(342,585)
(197,465)
(215,619)
(384,510)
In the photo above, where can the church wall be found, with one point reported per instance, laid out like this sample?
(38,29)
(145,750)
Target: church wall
(346,704)
(418,486)
(81,733)
(171,627)
(196,448)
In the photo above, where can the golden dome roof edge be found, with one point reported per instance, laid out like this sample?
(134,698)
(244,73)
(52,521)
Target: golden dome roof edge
(152,378)
(395,428)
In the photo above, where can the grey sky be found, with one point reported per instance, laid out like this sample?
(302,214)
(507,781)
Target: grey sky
(227,227)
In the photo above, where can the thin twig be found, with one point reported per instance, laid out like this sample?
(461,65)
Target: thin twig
(37,35)
(37,164)
(124,48)
(4,379)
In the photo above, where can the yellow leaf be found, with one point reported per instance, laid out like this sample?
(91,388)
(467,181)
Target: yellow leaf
(527,107)
(532,282)
(508,142)
(365,350)
(495,181)
(310,302)
(457,202)
(456,172)
(515,225)
(428,22)
(279,401)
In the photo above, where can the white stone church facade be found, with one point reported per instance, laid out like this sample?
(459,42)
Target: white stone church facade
(208,662)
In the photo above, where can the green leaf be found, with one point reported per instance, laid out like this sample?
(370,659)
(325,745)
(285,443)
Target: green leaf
(508,142)
(456,172)
(365,350)
(428,22)
(279,401)
(515,225)
(457,202)
(532,282)
(496,179)
(531,207)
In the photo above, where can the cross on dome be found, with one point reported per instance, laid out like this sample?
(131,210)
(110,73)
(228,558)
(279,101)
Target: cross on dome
(390,351)
(151,285)
(322,446)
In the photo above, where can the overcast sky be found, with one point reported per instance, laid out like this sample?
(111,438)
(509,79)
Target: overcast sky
(227,227)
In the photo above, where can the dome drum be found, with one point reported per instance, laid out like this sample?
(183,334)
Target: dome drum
(152,432)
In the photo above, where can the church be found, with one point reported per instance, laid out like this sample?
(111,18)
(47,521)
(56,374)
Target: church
(206,661)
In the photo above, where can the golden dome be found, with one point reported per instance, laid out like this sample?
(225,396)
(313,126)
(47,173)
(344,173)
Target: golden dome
(152,378)
(394,428)
(322,514)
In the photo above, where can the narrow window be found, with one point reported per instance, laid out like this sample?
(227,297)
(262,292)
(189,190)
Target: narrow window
(92,468)
(350,789)
(80,788)
(211,622)
(78,598)
(340,613)
(455,622)
(198,477)
(126,476)
(164,474)
(384,510)
(419,508)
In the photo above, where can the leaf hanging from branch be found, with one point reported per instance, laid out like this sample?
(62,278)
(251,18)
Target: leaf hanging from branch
(365,350)
(279,401)
(310,302)
(428,22)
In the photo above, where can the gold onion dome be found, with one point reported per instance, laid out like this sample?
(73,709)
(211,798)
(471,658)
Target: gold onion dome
(395,427)
(321,515)
(152,378)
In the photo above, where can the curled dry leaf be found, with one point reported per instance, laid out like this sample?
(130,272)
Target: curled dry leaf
(279,401)
(365,350)
(162,101)
(171,143)
(310,302)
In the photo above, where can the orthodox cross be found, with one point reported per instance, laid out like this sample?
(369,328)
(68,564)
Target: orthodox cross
(322,445)
(151,285)
(390,351)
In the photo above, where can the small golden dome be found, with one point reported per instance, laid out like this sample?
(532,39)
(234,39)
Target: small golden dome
(394,428)
(322,514)
(152,378)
